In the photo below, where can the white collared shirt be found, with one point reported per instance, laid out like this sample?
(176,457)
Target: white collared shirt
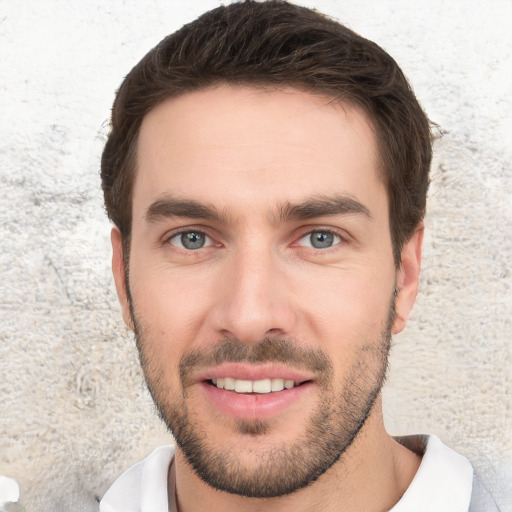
(443,482)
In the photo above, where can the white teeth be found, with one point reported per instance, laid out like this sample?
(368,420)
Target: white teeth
(277,384)
(243,386)
(229,384)
(262,386)
(288,384)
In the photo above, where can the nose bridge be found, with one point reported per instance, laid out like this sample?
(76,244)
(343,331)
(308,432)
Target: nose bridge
(254,300)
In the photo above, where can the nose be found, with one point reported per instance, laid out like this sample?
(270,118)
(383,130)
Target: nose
(254,300)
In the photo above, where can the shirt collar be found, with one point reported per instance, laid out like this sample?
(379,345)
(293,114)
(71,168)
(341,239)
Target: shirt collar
(443,481)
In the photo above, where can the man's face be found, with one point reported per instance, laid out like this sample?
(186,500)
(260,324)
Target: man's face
(260,260)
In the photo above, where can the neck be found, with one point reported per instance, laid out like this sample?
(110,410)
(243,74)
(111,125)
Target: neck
(371,475)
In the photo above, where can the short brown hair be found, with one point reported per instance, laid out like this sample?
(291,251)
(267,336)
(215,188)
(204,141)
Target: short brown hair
(277,43)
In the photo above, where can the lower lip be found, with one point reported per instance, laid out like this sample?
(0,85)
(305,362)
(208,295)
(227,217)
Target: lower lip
(252,406)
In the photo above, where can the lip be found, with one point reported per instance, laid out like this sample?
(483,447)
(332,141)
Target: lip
(254,406)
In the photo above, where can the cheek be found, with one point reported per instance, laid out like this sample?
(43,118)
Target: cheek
(170,305)
(346,314)
(345,300)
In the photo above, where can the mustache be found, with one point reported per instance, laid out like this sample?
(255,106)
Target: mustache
(268,350)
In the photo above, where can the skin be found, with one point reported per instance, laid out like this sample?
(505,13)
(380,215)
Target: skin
(249,154)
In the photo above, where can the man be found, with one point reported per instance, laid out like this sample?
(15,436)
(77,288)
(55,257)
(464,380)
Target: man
(266,173)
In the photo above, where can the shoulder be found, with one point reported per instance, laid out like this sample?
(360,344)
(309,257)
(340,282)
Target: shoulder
(143,483)
(482,499)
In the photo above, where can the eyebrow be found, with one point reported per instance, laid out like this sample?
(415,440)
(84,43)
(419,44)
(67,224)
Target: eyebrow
(321,206)
(318,206)
(170,206)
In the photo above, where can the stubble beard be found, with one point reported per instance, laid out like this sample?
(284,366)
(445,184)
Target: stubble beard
(279,469)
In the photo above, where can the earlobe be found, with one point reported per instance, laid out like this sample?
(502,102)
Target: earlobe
(120,276)
(407,280)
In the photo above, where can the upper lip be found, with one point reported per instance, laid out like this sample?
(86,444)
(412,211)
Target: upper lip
(248,371)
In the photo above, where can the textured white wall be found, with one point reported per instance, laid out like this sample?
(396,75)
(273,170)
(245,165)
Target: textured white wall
(73,407)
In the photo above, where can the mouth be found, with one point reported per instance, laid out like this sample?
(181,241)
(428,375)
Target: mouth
(255,392)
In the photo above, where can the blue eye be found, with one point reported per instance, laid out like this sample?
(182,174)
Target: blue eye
(320,240)
(191,240)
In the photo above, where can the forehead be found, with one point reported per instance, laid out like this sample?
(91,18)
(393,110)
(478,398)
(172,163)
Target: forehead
(246,145)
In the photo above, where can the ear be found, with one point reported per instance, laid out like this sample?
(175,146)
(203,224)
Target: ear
(407,278)
(120,275)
